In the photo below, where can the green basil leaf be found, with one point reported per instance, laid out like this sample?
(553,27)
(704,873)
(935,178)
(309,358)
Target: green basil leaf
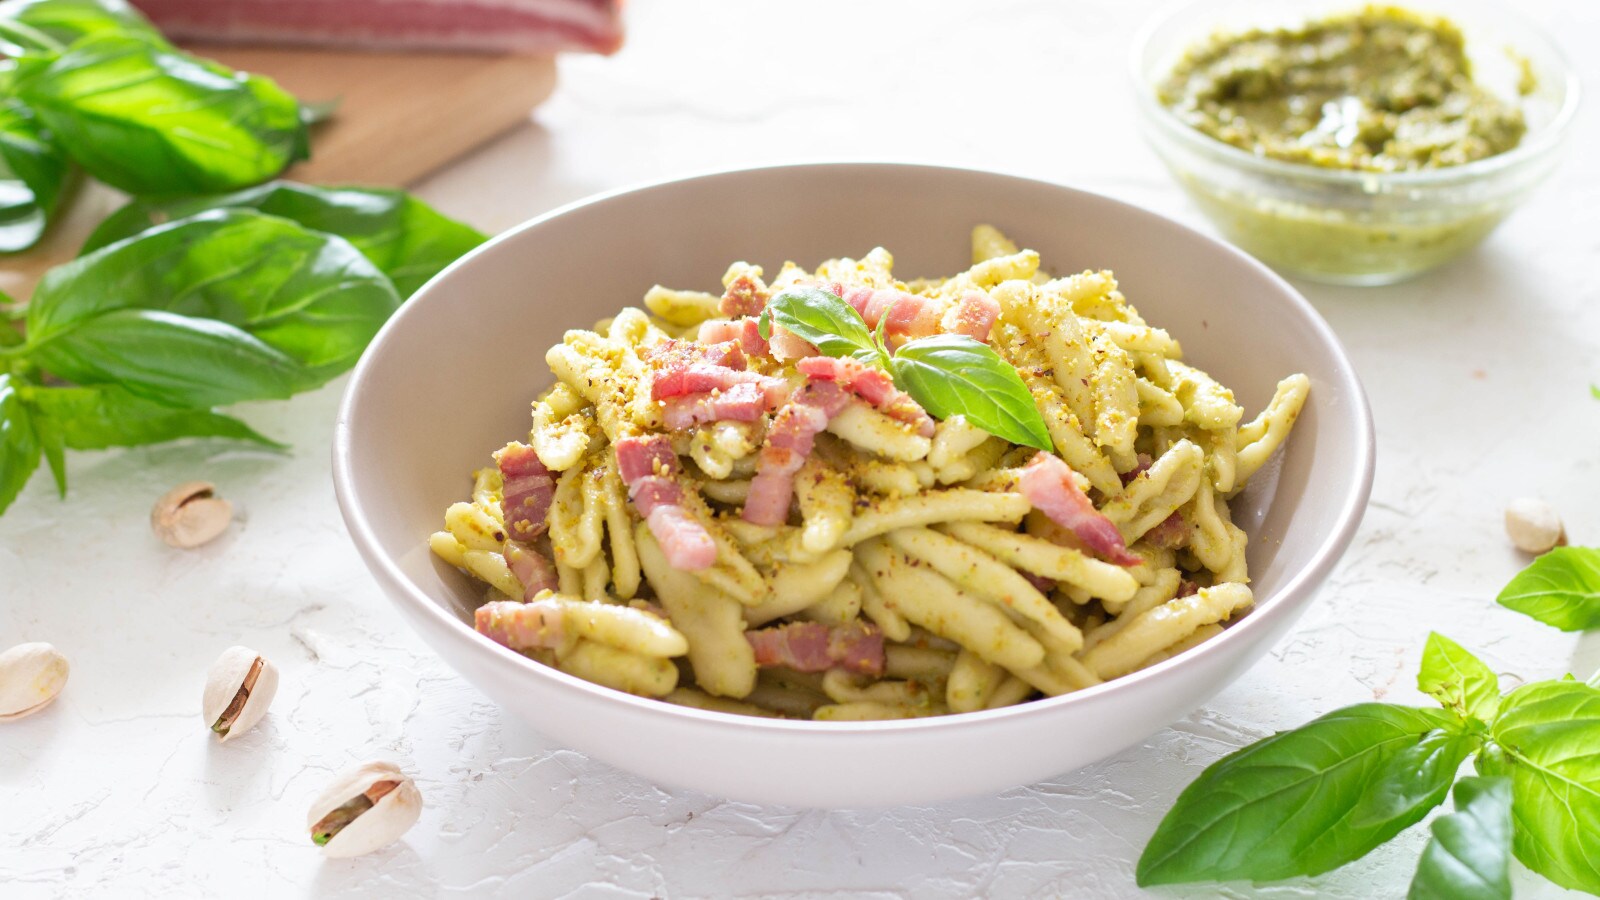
(1560,588)
(953,374)
(66,21)
(19,444)
(175,360)
(1282,807)
(310,295)
(405,238)
(1547,741)
(1416,779)
(33,177)
(819,318)
(149,119)
(1457,679)
(105,415)
(1469,856)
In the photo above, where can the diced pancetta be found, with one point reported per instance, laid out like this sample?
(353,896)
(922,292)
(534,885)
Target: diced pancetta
(740,403)
(870,384)
(522,626)
(526,491)
(649,468)
(1052,487)
(531,568)
(973,314)
(1171,533)
(746,331)
(815,647)
(789,442)
(744,297)
(910,315)
(673,353)
(701,378)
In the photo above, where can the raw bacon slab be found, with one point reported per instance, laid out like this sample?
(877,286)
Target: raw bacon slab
(515,26)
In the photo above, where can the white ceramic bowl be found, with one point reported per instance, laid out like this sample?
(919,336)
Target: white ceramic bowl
(450,378)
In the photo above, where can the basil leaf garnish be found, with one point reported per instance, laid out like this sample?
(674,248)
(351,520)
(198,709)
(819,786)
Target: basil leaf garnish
(1469,856)
(1283,807)
(819,318)
(1561,588)
(1457,679)
(1545,741)
(953,374)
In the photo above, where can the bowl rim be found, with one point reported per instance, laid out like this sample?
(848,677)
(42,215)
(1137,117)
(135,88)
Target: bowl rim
(403,591)
(1541,143)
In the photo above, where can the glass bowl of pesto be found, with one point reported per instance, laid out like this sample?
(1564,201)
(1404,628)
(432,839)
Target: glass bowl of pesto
(1349,144)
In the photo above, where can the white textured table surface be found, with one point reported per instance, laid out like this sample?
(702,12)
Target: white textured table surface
(1479,380)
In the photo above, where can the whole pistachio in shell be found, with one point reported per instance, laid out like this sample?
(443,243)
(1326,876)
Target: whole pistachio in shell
(365,809)
(239,688)
(31,675)
(190,514)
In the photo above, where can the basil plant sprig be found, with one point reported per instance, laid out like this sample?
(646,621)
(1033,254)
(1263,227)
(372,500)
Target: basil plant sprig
(92,85)
(1312,799)
(137,341)
(948,374)
(1560,588)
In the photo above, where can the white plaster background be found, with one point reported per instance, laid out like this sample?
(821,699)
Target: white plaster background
(1479,380)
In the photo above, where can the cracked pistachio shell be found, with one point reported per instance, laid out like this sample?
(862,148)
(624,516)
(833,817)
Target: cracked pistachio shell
(190,514)
(223,682)
(31,675)
(388,819)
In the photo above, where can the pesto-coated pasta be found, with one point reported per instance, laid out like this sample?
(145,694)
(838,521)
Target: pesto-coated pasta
(710,511)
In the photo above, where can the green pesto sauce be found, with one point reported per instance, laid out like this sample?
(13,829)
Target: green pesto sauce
(1379,90)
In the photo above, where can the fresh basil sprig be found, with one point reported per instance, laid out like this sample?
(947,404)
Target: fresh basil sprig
(33,177)
(948,374)
(404,237)
(1560,588)
(145,117)
(1305,801)
(1469,856)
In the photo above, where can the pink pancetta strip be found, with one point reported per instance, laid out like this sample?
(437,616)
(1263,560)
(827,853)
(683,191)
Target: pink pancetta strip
(746,331)
(649,468)
(1171,533)
(531,568)
(814,647)
(521,626)
(740,403)
(518,26)
(526,491)
(701,378)
(910,315)
(674,354)
(1050,485)
(743,298)
(870,384)
(789,442)
(973,314)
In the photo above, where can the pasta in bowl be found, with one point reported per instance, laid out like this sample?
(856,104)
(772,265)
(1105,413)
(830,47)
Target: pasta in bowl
(449,382)
(723,512)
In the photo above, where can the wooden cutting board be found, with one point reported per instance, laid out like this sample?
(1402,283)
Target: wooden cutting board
(400,116)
